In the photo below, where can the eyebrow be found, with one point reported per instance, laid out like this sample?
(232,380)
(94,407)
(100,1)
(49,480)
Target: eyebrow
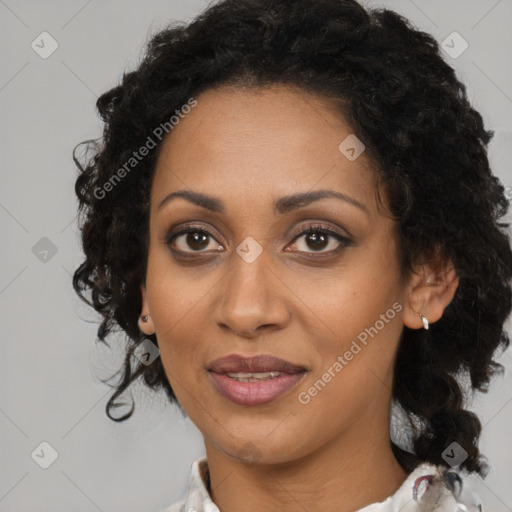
(282,205)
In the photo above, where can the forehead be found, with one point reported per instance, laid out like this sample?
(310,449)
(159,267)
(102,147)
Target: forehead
(260,143)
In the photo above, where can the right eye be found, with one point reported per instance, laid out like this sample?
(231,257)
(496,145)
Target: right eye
(192,239)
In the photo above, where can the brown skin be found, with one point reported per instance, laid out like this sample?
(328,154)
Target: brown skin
(248,148)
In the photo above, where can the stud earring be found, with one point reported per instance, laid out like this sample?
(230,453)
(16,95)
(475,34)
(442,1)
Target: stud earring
(144,318)
(425,322)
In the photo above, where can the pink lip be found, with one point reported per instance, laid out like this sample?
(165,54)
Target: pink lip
(255,393)
(259,364)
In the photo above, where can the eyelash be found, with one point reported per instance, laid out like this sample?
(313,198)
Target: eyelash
(316,228)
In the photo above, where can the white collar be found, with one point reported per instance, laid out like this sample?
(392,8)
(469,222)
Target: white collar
(423,490)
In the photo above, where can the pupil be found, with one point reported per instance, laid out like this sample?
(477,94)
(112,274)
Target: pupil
(197,240)
(319,240)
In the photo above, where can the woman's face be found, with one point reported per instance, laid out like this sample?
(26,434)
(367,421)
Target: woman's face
(247,280)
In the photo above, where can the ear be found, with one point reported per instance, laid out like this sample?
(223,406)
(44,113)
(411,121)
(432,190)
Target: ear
(148,326)
(431,287)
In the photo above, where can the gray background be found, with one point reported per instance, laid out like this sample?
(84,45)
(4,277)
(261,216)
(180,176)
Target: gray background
(50,366)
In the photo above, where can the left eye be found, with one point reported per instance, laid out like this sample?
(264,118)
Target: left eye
(318,238)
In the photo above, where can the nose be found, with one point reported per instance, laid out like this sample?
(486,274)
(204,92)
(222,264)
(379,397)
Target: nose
(252,299)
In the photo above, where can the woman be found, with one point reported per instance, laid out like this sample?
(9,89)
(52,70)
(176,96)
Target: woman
(293,202)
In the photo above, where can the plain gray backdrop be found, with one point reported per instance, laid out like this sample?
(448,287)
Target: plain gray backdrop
(50,367)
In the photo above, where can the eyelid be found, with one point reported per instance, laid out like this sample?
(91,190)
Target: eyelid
(320,226)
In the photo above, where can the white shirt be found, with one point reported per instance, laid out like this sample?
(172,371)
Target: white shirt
(423,490)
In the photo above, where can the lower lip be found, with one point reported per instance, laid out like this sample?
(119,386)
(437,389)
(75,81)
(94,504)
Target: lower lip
(255,393)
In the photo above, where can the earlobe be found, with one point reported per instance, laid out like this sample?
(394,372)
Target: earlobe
(424,319)
(146,324)
(145,321)
(430,292)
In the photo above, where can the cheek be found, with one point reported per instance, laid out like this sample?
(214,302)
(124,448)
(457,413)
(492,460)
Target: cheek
(353,296)
(177,310)
(353,370)
(175,292)
(359,320)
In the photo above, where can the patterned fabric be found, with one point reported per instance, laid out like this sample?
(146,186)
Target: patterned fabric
(428,488)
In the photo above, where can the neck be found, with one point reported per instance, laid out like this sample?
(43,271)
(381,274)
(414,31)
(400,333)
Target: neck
(350,472)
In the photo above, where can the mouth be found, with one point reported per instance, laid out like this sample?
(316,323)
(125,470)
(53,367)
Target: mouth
(254,380)
(254,377)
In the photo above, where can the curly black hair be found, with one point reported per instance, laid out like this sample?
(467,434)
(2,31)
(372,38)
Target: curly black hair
(390,81)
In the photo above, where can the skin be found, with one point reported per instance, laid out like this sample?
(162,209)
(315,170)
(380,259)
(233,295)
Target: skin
(248,148)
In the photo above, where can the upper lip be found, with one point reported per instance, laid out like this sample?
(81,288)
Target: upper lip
(262,363)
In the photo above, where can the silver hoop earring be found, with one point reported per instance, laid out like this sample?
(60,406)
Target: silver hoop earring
(425,322)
